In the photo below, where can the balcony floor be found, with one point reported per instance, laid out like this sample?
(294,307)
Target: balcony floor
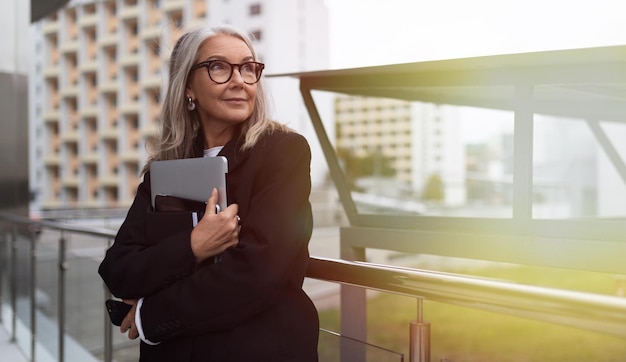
(8,350)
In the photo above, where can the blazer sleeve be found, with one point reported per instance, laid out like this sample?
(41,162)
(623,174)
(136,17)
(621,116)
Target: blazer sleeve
(151,249)
(268,263)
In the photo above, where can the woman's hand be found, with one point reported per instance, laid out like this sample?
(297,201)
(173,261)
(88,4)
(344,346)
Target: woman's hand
(215,232)
(128,324)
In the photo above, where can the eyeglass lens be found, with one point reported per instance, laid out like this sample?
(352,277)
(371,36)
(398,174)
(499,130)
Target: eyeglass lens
(221,71)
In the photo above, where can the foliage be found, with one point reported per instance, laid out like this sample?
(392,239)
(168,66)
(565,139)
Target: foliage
(433,189)
(371,164)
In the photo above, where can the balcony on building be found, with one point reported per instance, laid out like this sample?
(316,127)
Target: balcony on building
(69,92)
(108,40)
(129,12)
(149,131)
(129,60)
(70,137)
(173,5)
(90,66)
(51,160)
(51,204)
(69,47)
(51,72)
(51,27)
(109,133)
(152,81)
(151,32)
(71,182)
(130,107)
(129,156)
(88,20)
(90,111)
(108,86)
(51,117)
(90,158)
(109,181)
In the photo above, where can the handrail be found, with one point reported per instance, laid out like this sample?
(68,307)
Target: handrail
(600,313)
(58,225)
(587,311)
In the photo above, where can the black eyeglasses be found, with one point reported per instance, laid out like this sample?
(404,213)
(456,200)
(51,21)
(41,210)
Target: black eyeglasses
(221,71)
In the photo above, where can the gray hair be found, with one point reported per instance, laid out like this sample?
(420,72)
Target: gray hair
(180,127)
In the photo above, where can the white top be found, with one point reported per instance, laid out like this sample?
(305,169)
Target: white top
(213,151)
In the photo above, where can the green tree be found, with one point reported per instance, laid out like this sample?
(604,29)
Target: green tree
(433,190)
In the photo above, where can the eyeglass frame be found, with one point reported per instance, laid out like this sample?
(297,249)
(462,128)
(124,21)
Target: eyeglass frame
(206,64)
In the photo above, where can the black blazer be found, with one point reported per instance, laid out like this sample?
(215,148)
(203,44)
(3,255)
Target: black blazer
(250,305)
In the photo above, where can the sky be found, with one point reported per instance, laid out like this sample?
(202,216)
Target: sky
(374,32)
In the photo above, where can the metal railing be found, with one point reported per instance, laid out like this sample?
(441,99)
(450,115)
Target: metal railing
(9,234)
(586,311)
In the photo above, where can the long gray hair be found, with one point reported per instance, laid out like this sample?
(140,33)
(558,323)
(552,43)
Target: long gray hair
(179,126)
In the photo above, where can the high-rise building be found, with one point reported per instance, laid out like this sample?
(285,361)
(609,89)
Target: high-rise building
(98,72)
(416,141)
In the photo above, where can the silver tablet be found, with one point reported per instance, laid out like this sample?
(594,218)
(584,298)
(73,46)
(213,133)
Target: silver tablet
(190,178)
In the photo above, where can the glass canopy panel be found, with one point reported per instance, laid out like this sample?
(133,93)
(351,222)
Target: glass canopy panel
(403,157)
(579,151)
(575,168)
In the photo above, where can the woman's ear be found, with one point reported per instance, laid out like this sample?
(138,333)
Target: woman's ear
(189,92)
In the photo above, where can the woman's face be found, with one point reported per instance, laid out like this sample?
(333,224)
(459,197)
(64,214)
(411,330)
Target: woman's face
(228,103)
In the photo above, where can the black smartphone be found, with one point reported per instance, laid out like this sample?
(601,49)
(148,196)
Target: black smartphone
(117,310)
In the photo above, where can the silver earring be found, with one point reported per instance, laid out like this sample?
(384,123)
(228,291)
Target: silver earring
(191,105)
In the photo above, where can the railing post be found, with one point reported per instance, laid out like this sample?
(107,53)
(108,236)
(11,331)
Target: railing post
(419,337)
(33,305)
(3,263)
(353,311)
(108,329)
(14,283)
(61,296)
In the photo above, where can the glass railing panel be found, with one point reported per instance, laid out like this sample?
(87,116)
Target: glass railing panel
(332,345)
(84,299)
(47,290)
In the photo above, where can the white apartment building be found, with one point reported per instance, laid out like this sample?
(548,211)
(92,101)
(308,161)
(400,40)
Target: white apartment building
(97,74)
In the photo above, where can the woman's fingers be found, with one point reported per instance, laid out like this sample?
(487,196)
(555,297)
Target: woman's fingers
(211,202)
(128,324)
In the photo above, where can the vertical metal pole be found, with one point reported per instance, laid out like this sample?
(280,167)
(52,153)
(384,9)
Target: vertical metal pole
(108,329)
(13,283)
(419,337)
(33,305)
(353,311)
(523,154)
(3,263)
(61,296)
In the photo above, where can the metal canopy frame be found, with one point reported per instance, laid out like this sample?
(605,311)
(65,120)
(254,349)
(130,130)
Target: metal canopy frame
(588,84)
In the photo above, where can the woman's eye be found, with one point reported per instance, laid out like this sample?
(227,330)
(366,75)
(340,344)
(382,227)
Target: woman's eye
(248,68)
(218,66)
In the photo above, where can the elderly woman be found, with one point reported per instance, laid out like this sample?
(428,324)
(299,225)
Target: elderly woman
(229,288)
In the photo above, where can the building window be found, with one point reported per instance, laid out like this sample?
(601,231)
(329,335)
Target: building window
(255,9)
(256,35)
